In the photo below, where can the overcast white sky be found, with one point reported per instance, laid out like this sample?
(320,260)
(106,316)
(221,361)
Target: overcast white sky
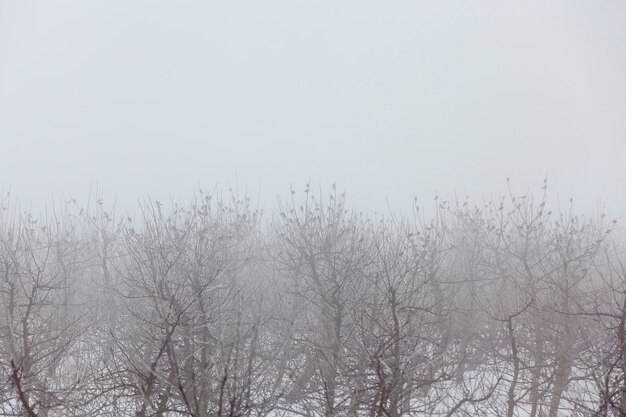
(389,99)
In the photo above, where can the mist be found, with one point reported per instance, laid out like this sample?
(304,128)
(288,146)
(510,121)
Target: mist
(389,101)
(295,208)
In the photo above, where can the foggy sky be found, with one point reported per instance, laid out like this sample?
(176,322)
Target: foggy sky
(388,99)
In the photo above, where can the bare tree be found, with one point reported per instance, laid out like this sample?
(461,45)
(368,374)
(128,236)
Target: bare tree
(41,333)
(192,342)
(322,250)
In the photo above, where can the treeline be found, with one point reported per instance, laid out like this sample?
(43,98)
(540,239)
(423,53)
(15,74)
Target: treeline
(211,310)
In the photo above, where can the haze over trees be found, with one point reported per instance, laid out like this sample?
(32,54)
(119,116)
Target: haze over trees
(507,307)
